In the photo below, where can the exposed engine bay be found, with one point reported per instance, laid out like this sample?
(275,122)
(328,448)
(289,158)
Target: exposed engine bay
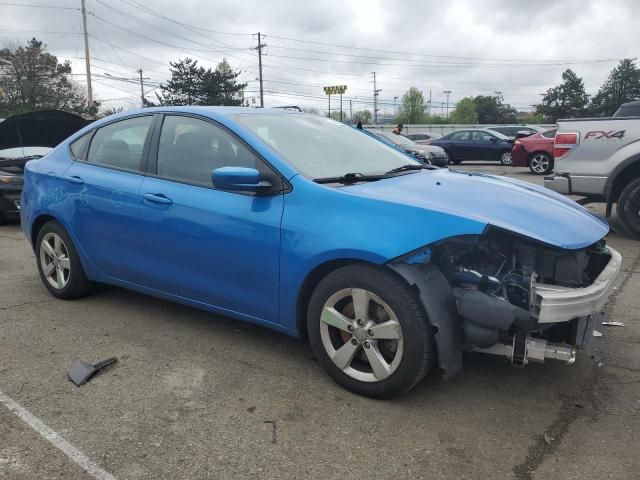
(500,285)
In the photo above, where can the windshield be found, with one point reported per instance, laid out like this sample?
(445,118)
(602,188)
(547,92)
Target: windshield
(321,148)
(499,135)
(397,139)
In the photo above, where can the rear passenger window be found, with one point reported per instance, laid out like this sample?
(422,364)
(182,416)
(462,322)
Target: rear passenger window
(190,149)
(461,136)
(549,134)
(78,146)
(120,144)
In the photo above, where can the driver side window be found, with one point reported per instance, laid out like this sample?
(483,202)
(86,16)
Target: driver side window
(190,149)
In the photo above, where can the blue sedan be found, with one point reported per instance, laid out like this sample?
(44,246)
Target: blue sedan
(301,224)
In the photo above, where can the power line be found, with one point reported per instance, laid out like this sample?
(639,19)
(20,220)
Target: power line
(31,5)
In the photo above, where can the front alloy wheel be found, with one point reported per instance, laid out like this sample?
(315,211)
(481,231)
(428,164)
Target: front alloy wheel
(505,158)
(361,335)
(368,329)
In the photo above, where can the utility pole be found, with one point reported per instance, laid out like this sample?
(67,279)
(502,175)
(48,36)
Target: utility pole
(141,88)
(350,111)
(376,92)
(86,57)
(448,92)
(341,107)
(395,110)
(429,110)
(259,48)
(498,96)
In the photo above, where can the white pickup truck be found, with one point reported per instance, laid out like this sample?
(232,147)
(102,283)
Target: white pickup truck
(599,159)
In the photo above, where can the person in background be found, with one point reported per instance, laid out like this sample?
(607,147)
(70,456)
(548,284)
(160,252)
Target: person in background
(359,125)
(398,129)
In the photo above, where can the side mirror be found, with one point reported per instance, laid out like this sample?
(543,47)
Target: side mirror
(239,179)
(493,139)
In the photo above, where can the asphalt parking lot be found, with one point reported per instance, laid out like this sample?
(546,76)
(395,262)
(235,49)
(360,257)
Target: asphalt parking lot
(198,396)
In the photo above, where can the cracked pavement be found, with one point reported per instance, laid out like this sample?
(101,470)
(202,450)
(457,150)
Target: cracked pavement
(198,396)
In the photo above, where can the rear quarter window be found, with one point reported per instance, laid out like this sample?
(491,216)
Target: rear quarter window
(78,147)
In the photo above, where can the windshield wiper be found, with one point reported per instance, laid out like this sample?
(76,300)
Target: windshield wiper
(349,178)
(411,166)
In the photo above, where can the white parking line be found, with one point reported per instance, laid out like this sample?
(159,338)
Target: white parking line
(56,439)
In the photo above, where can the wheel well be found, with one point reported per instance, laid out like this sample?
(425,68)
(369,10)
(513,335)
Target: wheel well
(626,176)
(309,285)
(37,225)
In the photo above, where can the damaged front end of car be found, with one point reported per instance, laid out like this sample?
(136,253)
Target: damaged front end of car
(504,294)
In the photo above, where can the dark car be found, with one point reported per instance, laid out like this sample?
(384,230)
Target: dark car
(535,152)
(425,153)
(478,144)
(515,131)
(631,109)
(423,138)
(25,137)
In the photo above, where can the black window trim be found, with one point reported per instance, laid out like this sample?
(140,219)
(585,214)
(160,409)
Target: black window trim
(152,161)
(145,149)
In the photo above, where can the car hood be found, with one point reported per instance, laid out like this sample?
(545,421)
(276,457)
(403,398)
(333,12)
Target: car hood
(509,204)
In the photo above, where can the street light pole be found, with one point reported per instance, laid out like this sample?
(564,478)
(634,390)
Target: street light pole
(448,92)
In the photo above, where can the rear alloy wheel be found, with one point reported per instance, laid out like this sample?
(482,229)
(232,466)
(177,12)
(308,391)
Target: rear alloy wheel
(505,158)
(629,209)
(58,263)
(368,329)
(540,163)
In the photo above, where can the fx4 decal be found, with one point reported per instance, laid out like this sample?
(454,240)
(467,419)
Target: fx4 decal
(600,134)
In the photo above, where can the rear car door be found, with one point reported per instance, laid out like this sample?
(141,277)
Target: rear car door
(461,145)
(215,247)
(102,185)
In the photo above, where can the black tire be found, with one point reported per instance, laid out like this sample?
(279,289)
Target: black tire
(77,284)
(628,209)
(540,163)
(453,161)
(419,351)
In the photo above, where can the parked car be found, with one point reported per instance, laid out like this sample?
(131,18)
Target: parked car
(631,109)
(516,131)
(535,152)
(423,138)
(302,224)
(599,159)
(426,153)
(478,144)
(25,137)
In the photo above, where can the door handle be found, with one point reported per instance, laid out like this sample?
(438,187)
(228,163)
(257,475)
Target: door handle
(75,180)
(157,198)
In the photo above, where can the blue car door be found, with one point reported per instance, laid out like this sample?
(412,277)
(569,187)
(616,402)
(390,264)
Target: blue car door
(102,187)
(206,245)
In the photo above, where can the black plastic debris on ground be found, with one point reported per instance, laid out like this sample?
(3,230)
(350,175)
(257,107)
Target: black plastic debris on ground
(81,372)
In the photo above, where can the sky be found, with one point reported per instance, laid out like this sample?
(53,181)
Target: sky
(467,47)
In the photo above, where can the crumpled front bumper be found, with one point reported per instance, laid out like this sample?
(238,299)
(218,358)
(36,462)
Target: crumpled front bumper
(555,304)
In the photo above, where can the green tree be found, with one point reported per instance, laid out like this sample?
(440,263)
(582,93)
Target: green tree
(32,79)
(492,110)
(567,100)
(465,112)
(221,87)
(622,85)
(412,107)
(363,116)
(185,87)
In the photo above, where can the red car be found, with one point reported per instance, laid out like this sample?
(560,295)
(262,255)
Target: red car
(535,152)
